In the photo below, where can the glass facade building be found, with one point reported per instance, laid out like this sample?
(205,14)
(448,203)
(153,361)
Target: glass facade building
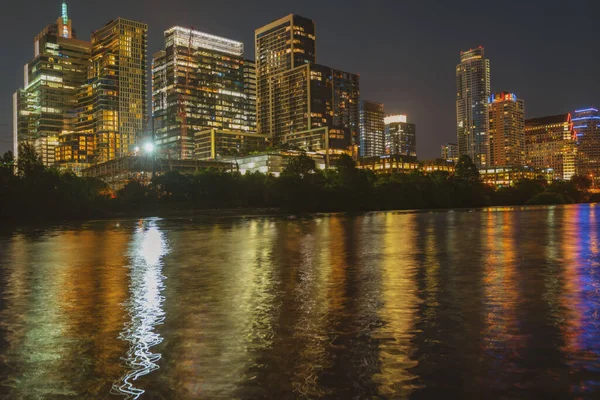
(372,129)
(281,46)
(550,144)
(294,94)
(586,124)
(250,92)
(506,130)
(472,92)
(215,144)
(46,107)
(113,101)
(199,82)
(400,136)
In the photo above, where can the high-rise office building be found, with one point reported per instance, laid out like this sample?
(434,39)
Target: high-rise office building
(506,130)
(450,152)
(472,93)
(400,136)
(199,82)
(114,97)
(250,92)
(297,97)
(372,129)
(550,144)
(313,98)
(346,103)
(586,124)
(281,46)
(46,107)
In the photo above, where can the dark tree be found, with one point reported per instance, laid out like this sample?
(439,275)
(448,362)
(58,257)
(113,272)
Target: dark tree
(466,169)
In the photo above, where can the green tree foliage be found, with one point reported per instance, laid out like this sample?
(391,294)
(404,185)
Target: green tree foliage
(466,169)
(300,166)
(32,191)
(547,198)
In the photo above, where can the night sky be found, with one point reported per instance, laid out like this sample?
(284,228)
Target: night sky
(545,51)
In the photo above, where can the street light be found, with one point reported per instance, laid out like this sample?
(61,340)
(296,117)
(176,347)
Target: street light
(149,147)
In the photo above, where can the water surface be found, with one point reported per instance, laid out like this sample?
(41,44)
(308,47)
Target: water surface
(492,303)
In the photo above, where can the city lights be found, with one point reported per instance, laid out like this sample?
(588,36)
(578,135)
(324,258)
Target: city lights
(149,147)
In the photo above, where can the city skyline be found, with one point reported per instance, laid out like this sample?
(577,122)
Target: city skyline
(405,88)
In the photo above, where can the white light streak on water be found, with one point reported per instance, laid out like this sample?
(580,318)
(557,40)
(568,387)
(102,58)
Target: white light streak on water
(144,307)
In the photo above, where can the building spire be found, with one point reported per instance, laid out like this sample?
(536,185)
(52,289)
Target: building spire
(64,15)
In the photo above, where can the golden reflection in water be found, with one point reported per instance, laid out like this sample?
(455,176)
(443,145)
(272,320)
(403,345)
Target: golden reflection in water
(432,267)
(144,306)
(501,337)
(92,296)
(228,282)
(571,299)
(399,310)
(63,312)
(321,296)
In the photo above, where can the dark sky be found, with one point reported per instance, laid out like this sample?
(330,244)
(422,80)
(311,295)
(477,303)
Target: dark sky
(545,51)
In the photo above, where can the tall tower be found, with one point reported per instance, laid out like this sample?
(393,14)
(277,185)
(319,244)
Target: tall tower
(299,101)
(45,108)
(587,128)
(250,92)
(280,46)
(400,136)
(202,76)
(116,88)
(372,129)
(507,130)
(472,93)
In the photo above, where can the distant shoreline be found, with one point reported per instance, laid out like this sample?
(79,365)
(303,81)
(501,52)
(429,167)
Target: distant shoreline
(8,225)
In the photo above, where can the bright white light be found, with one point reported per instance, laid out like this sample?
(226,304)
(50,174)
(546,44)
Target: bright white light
(149,147)
(395,118)
(137,149)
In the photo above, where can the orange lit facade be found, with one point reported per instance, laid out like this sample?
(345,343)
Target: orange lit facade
(506,130)
(115,110)
(550,144)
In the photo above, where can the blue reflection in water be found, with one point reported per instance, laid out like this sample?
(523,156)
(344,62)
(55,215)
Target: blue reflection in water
(144,306)
(590,285)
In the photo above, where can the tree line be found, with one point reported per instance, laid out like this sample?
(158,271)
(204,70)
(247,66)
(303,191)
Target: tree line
(28,190)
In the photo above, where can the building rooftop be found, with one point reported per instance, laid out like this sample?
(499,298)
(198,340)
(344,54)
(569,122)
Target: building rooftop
(186,37)
(549,120)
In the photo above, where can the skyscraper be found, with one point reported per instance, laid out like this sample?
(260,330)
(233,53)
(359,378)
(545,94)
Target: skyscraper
(281,46)
(507,130)
(199,82)
(400,136)
(550,144)
(586,124)
(296,98)
(46,107)
(250,92)
(472,93)
(372,129)
(115,94)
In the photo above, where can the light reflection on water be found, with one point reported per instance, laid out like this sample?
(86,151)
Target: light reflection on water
(144,306)
(500,303)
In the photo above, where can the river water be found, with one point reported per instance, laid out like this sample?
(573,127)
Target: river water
(482,304)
